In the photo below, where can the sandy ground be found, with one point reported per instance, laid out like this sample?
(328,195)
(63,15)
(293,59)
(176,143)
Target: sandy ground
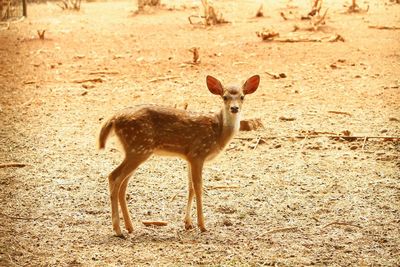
(287,201)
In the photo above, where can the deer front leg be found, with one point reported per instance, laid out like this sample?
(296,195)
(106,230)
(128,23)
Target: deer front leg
(197,180)
(188,218)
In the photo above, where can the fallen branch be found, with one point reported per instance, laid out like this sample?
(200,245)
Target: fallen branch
(13,164)
(163,78)
(339,112)
(94,80)
(104,72)
(342,223)
(274,36)
(155,223)
(335,38)
(389,138)
(386,138)
(276,76)
(195,16)
(20,218)
(282,118)
(384,27)
(317,132)
(267,34)
(211,187)
(285,229)
(239,63)
(300,39)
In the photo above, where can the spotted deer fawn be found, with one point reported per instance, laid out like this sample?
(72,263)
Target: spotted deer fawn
(167,131)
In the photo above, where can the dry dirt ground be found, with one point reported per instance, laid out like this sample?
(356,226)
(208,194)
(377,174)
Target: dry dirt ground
(271,198)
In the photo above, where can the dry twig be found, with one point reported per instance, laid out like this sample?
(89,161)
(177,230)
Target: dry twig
(175,195)
(41,34)
(304,142)
(318,20)
(273,231)
(257,142)
(386,138)
(260,12)
(163,78)
(215,187)
(13,164)
(342,223)
(155,223)
(282,118)
(283,16)
(276,76)
(339,112)
(272,36)
(21,218)
(196,55)
(94,80)
(267,34)
(104,72)
(384,27)
(363,145)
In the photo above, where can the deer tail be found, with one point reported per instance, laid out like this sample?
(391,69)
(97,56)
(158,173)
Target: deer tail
(104,133)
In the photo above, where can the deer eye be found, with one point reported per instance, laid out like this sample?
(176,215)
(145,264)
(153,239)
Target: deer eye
(242,97)
(225,98)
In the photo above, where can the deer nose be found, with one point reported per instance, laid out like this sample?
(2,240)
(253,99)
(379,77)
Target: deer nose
(234,109)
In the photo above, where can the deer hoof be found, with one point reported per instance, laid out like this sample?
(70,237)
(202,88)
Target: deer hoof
(188,225)
(202,229)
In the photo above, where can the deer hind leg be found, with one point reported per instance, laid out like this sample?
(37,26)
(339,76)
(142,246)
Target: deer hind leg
(118,181)
(197,180)
(188,219)
(124,206)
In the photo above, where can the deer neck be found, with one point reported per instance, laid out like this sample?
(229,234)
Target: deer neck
(230,124)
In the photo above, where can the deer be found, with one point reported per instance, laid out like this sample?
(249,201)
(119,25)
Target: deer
(194,137)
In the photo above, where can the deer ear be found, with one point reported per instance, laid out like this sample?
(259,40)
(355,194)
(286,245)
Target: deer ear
(251,85)
(214,85)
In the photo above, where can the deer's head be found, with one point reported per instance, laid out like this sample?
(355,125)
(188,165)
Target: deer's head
(233,96)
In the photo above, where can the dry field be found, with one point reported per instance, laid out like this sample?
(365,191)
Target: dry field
(290,194)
